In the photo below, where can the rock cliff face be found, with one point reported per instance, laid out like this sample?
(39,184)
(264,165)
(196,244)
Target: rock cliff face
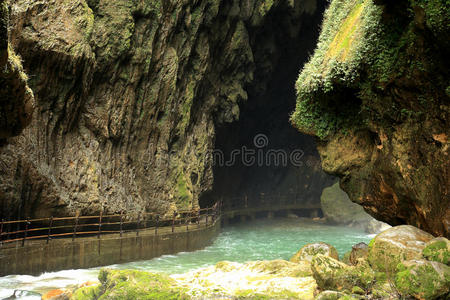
(128,97)
(16,103)
(376,94)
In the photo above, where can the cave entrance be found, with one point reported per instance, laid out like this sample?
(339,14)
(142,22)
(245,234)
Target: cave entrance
(261,159)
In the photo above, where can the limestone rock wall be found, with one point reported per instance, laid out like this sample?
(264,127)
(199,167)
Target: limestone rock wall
(128,94)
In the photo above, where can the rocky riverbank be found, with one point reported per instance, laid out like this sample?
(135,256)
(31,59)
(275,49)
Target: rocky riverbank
(402,262)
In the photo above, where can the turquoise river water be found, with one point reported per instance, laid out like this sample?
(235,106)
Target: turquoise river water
(258,240)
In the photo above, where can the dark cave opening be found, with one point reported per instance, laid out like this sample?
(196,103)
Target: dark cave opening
(262,157)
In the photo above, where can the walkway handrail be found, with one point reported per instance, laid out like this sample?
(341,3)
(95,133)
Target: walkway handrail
(76,226)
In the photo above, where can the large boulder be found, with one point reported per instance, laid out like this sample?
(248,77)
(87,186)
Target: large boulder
(277,279)
(281,267)
(438,249)
(359,251)
(423,279)
(374,227)
(307,252)
(331,274)
(395,245)
(339,209)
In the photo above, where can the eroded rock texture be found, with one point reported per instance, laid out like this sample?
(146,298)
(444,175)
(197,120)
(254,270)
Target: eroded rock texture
(376,93)
(16,98)
(128,97)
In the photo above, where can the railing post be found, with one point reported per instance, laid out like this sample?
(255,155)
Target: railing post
(75,227)
(173,221)
(1,232)
(121,223)
(100,224)
(198,218)
(137,224)
(50,224)
(8,231)
(25,234)
(207,213)
(157,223)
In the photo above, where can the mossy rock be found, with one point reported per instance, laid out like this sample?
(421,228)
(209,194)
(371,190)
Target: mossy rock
(384,289)
(307,252)
(331,274)
(131,284)
(423,279)
(438,249)
(395,245)
(87,293)
(359,251)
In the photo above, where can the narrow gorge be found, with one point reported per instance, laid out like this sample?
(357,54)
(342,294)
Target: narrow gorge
(162,107)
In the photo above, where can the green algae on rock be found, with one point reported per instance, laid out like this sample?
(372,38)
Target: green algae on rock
(437,249)
(423,279)
(332,274)
(131,284)
(395,245)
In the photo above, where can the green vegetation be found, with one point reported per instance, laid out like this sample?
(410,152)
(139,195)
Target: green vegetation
(184,196)
(422,279)
(360,53)
(131,284)
(265,6)
(438,250)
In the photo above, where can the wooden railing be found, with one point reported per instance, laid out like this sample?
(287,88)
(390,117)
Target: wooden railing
(82,226)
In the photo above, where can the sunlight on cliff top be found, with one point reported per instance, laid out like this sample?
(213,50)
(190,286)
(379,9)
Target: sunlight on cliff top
(343,40)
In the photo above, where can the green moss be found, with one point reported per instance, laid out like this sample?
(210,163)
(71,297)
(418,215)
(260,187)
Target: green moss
(133,284)
(343,40)
(87,293)
(342,87)
(184,195)
(334,275)
(422,280)
(437,250)
(265,6)
(239,37)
